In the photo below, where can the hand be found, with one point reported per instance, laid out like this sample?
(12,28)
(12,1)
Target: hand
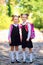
(27,39)
(10,41)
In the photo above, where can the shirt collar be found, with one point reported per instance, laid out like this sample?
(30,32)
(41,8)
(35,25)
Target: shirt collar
(24,23)
(15,25)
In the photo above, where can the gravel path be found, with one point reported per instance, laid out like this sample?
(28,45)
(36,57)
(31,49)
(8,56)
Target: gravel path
(37,49)
(37,52)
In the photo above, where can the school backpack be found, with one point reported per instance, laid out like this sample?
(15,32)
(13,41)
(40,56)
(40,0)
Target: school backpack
(32,32)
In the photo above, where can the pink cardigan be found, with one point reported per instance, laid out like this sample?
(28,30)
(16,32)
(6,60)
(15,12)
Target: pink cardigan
(10,30)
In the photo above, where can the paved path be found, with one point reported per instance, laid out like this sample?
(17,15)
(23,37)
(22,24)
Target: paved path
(37,52)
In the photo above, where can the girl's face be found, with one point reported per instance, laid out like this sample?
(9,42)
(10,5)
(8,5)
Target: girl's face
(24,18)
(16,19)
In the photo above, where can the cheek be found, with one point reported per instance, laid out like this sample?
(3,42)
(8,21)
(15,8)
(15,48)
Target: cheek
(16,20)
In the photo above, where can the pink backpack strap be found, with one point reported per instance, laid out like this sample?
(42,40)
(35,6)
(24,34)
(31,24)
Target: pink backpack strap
(26,27)
(20,26)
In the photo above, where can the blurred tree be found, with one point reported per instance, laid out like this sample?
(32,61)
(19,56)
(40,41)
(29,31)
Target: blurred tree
(35,7)
(9,7)
(23,6)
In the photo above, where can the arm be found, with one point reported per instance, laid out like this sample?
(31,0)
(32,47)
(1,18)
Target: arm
(20,32)
(29,32)
(10,30)
(20,29)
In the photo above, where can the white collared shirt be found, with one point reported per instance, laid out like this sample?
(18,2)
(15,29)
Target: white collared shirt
(9,34)
(29,29)
(15,25)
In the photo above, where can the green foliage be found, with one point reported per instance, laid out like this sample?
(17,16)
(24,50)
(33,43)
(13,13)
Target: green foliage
(22,6)
(9,9)
(35,7)
(5,22)
(38,20)
(3,10)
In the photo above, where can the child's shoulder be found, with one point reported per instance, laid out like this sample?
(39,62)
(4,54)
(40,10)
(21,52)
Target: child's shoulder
(20,25)
(11,25)
(30,24)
